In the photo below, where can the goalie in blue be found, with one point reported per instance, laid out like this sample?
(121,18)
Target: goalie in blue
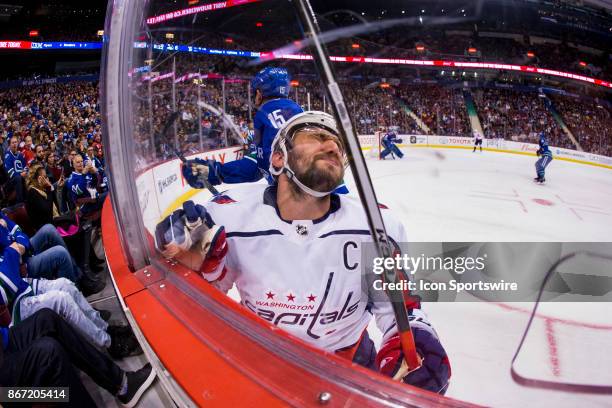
(389,142)
(545,157)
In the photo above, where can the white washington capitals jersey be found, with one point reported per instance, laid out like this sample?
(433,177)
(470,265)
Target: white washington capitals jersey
(303,276)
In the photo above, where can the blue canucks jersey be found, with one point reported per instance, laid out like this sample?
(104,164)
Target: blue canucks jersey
(14,163)
(79,185)
(388,138)
(12,286)
(544,150)
(269,118)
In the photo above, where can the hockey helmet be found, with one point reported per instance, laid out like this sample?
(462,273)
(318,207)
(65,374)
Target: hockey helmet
(272,81)
(283,142)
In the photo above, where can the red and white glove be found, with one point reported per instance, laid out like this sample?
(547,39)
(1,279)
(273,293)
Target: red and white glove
(435,371)
(192,228)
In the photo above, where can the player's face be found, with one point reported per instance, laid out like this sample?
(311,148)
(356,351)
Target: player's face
(317,159)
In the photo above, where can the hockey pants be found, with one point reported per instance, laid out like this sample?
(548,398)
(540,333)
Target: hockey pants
(541,165)
(391,149)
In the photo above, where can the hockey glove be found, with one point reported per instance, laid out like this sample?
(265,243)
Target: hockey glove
(190,227)
(172,235)
(210,238)
(435,371)
(197,171)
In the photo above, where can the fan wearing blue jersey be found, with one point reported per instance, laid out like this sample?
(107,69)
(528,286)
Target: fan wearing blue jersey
(15,166)
(389,143)
(545,157)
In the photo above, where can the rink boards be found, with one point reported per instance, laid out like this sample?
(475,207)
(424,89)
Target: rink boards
(496,145)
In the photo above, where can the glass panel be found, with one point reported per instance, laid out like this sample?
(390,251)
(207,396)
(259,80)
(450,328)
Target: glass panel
(449,120)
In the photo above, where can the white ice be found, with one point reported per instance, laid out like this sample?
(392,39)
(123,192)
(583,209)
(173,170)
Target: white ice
(456,195)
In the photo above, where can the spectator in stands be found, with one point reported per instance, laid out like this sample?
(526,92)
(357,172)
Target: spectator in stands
(100,164)
(83,184)
(54,171)
(90,156)
(67,163)
(81,147)
(40,202)
(43,350)
(39,156)
(15,165)
(59,144)
(47,257)
(23,298)
(3,145)
(28,150)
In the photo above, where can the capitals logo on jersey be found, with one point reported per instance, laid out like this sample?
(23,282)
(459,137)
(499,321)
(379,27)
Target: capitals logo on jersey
(316,316)
(222,199)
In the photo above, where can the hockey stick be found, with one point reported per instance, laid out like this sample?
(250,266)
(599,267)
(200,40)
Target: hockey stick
(363,182)
(180,155)
(225,118)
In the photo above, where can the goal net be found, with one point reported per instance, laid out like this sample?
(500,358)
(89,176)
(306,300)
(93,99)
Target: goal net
(375,145)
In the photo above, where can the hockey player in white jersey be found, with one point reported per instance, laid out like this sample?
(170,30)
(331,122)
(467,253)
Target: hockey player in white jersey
(477,140)
(293,251)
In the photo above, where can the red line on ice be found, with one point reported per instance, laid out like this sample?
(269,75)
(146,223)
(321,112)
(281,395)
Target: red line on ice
(556,319)
(553,351)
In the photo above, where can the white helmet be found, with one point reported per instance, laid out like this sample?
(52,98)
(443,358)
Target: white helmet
(285,136)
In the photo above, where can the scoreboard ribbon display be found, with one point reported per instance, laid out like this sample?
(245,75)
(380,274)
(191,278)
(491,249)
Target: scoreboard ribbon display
(29,45)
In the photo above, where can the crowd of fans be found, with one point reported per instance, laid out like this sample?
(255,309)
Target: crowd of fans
(53,183)
(589,122)
(518,116)
(412,108)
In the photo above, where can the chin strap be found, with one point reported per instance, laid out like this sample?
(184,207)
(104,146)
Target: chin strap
(291,176)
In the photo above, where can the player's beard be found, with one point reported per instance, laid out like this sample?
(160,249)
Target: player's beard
(317,175)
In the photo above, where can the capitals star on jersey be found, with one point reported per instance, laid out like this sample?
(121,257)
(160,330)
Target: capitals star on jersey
(303,276)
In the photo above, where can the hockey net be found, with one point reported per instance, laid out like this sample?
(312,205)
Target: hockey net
(373,144)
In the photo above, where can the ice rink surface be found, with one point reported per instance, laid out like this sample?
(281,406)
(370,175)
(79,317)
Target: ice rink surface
(457,195)
(454,195)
